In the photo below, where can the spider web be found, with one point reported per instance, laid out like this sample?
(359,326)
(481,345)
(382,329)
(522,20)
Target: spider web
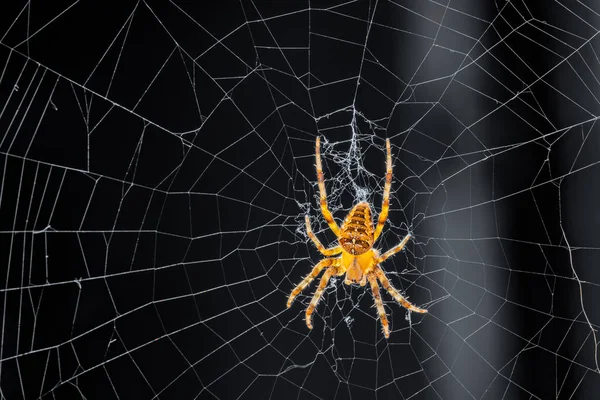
(158,162)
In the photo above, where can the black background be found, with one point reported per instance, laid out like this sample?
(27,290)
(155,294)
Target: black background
(158,160)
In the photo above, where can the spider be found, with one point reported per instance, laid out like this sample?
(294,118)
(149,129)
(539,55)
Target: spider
(358,259)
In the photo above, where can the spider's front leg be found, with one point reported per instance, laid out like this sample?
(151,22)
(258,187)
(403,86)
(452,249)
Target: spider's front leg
(331,271)
(395,294)
(385,281)
(379,304)
(326,262)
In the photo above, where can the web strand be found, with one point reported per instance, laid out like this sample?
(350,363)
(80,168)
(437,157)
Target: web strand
(158,170)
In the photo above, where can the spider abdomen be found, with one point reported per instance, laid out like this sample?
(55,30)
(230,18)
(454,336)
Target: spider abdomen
(356,236)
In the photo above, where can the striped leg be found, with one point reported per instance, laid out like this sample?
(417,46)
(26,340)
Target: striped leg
(326,252)
(326,262)
(393,250)
(379,304)
(397,296)
(385,206)
(319,292)
(324,209)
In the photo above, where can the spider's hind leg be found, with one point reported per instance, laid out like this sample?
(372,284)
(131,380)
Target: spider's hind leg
(385,204)
(323,193)
(326,252)
(397,248)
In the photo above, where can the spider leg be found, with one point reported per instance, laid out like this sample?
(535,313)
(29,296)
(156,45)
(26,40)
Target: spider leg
(385,206)
(319,292)
(363,281)
(393,250)
(326,262)
(321,178)
(395,294)
(326,252)
(379,304)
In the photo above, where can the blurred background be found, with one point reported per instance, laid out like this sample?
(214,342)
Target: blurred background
(157,162)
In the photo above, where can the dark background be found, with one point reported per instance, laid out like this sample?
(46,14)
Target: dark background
(158,160)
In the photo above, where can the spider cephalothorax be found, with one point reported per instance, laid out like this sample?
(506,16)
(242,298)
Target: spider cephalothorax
(358,259)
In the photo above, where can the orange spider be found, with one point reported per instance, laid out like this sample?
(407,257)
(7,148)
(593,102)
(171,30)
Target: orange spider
(359,260)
